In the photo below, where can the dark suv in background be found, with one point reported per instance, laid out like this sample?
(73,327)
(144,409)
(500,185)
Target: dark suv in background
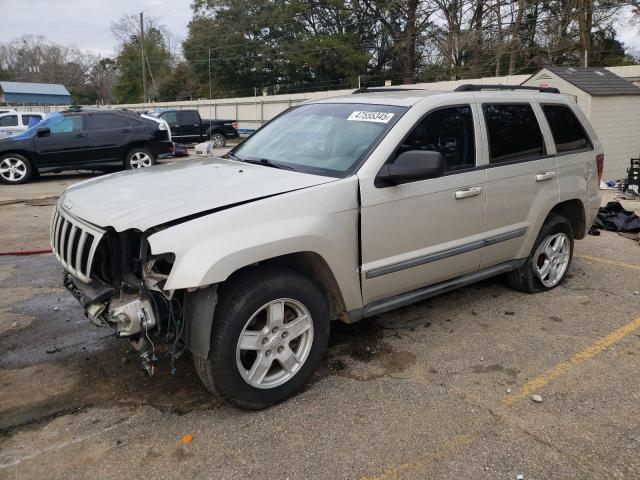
(84,139)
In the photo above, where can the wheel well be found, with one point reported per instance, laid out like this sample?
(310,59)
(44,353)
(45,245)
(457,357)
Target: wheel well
(573,210)
(314,267)
(131,146)
(26,155)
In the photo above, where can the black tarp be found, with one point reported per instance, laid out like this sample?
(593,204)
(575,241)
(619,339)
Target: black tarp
(615,218)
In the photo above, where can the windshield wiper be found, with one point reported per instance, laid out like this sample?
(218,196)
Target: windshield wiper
(267,163)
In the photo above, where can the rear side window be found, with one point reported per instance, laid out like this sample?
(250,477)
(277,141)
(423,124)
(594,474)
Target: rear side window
(188,116)
(568,133)
(9,121)
(514,133)
(107,121)
(448,131)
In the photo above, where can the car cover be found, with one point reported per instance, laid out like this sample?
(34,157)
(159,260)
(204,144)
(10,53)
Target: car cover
(615,218)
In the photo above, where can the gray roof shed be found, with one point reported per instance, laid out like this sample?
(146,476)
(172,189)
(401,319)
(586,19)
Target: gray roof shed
(596,81)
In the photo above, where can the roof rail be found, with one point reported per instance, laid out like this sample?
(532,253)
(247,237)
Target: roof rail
(469,87)
(382,90)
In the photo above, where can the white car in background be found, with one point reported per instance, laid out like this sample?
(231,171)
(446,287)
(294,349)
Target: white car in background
(14,122)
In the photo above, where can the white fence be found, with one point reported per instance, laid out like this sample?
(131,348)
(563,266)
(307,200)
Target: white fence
(253,112)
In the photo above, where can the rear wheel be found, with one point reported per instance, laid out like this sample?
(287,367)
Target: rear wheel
(549,260)
(270,332)
(139,158)
(218,140)
(15,169)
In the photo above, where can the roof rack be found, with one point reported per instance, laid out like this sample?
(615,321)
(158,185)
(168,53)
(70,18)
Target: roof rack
(468,87)
(382,90)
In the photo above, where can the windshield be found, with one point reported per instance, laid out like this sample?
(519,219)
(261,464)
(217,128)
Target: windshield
(322,138)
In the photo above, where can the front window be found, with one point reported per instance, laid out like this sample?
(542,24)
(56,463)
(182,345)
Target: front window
(324,138)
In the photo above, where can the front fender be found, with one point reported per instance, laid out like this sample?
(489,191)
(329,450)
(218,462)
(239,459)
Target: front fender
(321,219)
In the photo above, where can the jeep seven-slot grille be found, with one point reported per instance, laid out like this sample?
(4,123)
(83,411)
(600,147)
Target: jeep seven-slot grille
(74,243)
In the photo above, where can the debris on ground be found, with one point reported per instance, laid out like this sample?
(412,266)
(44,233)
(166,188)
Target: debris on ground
(187,439)
(615,218)
(536,398)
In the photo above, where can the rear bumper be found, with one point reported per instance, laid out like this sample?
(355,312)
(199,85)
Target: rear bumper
(163,149)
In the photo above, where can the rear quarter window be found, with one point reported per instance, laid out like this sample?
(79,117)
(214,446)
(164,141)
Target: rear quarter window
(568,133)
(514,133)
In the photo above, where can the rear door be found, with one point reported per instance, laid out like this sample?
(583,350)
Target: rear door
(66,145)
(424,232)
(522,178)
(189,125)
(108,134)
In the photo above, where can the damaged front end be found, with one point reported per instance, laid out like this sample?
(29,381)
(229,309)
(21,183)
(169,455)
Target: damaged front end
(121,285)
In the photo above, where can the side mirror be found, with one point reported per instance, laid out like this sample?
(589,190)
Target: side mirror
(412,166)
(44,132)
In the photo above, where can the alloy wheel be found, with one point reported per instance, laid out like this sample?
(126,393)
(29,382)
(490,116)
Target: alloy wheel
(13,169)
(140,160)
(552,259)
(275,343)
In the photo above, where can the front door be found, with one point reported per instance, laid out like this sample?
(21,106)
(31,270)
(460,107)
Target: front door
(424,232)
(65,145)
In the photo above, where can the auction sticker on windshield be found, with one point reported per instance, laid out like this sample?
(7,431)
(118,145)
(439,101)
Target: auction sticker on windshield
(380,117)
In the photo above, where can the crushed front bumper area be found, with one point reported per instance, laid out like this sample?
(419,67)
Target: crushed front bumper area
(130,315)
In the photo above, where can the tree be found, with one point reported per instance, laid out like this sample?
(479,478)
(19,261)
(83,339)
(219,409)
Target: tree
(157,58)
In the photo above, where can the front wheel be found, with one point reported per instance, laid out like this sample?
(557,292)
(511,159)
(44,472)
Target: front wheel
(218,140)
(549,260)
(270,331)
(139,158)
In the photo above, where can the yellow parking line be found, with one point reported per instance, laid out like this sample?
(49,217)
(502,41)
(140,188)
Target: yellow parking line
(608,262)
(540,381)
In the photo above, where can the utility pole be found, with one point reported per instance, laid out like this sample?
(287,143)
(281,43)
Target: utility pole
(144,77)
(209,74)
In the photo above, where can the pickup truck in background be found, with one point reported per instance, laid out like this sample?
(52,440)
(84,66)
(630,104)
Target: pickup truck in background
(188,127)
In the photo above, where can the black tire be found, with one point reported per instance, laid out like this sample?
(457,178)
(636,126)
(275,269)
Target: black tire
(137,156)
(526,279)
(218,140)
(17,166)
(238,301)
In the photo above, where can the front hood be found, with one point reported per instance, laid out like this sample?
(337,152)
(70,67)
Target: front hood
(152,196)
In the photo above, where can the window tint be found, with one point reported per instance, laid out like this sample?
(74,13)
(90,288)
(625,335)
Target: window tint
(65,124)
(514,133)
(9,121)
(568,133)
(31,120)
(169,117)
(448,131)
(107,121)
(188,117)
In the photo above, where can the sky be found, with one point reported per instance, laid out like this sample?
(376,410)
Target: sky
(86,24)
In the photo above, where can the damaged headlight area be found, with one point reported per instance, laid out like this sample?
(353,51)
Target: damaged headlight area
(126,292)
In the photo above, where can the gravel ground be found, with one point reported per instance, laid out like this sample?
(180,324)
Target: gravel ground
(441,389)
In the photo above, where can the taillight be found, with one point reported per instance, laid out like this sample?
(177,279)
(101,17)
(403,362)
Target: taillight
(600,163)
(172,149)
(234,125)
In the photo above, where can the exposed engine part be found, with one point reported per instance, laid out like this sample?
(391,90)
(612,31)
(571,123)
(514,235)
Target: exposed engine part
(148,361)
(133,318)
(95,313)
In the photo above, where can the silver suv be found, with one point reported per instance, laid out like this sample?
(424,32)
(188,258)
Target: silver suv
(338,209)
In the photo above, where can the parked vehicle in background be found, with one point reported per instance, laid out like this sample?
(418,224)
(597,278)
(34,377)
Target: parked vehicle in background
(6,110)
(338,209)
(83,139)
(188,127)
(16,122)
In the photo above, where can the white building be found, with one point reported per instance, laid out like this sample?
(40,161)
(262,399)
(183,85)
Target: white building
(611,103)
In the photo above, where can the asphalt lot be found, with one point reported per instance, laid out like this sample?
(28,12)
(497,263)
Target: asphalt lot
(441,389)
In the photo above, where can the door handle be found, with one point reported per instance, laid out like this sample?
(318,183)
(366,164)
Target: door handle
(468,192)
(126,130)
(541,177)
(79,135)
(177,125)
